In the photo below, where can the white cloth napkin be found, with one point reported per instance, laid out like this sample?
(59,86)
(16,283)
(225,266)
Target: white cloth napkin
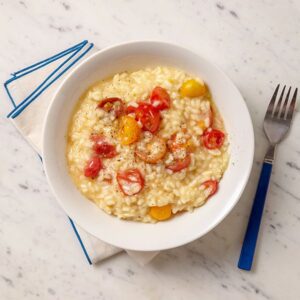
(30,91)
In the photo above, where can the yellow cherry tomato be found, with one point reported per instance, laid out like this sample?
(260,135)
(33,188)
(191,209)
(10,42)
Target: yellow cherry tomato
(192,88)
(129,130)
(161,213)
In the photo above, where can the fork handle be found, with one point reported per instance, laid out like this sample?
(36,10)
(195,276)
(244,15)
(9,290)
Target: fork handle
(250,239)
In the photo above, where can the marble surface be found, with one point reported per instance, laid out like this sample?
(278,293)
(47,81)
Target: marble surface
(257,44)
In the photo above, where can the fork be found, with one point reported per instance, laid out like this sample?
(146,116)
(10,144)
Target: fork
(276,125)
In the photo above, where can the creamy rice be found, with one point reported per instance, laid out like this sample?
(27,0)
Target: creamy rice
(182,190)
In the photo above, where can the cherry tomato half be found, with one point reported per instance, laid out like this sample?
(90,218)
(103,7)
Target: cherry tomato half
(192,88)
(179,165)
(212,185)
(129,131)
(93,167)
(160,98)
(148,115)
(213,138)
(161,213)
(102,147)
(154,150)
(113,104)
(130,181)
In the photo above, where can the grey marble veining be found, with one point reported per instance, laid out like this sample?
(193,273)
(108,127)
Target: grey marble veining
(257,43)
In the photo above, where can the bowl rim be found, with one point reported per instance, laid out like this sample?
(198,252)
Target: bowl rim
(247,172)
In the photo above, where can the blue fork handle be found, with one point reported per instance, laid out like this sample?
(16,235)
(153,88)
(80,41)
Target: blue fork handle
(248,248)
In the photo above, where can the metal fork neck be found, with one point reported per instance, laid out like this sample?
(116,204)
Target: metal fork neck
(270,155)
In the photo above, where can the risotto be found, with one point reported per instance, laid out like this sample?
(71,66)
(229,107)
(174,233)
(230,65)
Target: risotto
(148,144)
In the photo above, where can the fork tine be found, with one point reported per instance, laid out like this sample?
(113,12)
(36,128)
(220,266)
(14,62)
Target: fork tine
(272,102)
(292,106)
(277,108)
(283,110)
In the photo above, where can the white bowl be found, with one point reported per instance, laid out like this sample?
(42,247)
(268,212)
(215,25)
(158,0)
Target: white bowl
(183,228)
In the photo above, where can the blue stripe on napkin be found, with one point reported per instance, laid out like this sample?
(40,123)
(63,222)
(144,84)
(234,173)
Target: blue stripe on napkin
(48,60)
(80,241)
(37,66)
(42,87)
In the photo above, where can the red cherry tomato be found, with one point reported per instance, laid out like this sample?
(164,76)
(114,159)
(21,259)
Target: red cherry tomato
(102,147)
(93,167)
(148,115)
(130,181)
(160,98)
(130,109)
(113,104)
(213,138)
(212,185)
(179,165)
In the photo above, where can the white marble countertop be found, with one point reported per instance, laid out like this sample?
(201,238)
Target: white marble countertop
(257,43)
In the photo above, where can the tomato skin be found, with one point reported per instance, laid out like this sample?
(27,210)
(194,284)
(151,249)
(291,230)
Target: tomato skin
(113,104)
(148,115)
(130,181)
(179,165)
(93,167)
(213,185)
(213,138)
(102,147)
(130,109)
(160,98)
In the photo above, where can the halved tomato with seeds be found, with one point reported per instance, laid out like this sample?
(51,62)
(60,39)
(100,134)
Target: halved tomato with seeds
(160,98)
(102,147)
(130,181)
(147,114)
(213,138)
